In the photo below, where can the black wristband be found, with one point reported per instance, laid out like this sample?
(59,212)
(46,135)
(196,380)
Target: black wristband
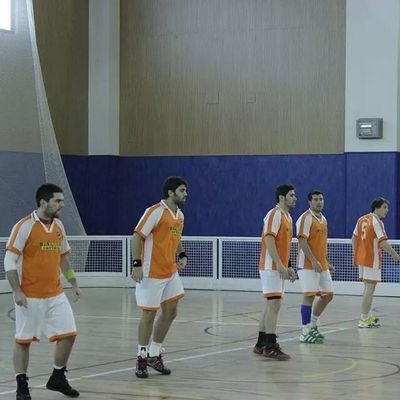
(137,262)
(182,254)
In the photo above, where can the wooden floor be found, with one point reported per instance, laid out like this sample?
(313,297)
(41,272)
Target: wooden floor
(209,351)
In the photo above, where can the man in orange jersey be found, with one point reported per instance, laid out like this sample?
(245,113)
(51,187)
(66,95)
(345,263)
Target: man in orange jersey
(369,238)
(313,266)
(274,269)
(36,251)
(155,244)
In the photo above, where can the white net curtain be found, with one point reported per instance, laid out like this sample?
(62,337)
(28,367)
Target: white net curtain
(29,154)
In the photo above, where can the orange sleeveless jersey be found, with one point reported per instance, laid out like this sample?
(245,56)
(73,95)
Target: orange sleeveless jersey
(40,249)
(369,232)
(315,231)
(161,230)
(279,225)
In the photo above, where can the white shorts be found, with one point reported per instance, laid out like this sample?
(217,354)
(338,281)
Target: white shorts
(271,283)
(315,283)
(51,317)
(368,274)
(151,292)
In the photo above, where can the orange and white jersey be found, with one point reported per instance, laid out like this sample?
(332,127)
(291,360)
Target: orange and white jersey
(278,224)
(315,230)
(369,232)
(39,247)
(161,230)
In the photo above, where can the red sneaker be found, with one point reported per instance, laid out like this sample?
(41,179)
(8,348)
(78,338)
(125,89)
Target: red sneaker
(258,350)
(141,367)
(158,364)
(275,353)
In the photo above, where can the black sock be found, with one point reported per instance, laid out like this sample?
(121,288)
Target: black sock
(21,378)
(270,340)
(261,339)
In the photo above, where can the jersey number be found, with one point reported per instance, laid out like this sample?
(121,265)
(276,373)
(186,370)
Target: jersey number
(364,230)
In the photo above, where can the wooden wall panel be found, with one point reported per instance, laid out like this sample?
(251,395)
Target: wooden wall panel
(62,29)
(232,77)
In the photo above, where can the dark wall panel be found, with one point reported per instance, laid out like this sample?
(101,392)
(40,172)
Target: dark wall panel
(369,175)
(229,196)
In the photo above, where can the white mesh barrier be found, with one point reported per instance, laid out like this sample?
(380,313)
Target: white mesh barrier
(29,154)
(214,263)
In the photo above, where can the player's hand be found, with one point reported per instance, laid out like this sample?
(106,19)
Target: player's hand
(317,267)
(283,271)
(20,299)
(396,257)
(292,274)
(332,269)
(181,263)
(77,293)
(137,274)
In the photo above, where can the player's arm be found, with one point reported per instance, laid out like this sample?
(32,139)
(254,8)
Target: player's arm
(269,241)
(182,256)
(389,249)
(136,248)
(69,274)
(10,265)
(309,254)
(353,245)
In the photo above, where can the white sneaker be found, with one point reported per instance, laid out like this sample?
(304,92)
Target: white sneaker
(371,322)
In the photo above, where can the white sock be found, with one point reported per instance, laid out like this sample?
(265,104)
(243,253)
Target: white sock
(364,317)
(142,350)
(55,367)
(314,320)
(154,349)
(305,329)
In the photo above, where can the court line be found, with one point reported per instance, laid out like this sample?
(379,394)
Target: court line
(185,321)
(213,353)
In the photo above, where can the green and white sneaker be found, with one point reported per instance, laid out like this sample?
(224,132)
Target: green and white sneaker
(371,322)
(315,332)
(311,338)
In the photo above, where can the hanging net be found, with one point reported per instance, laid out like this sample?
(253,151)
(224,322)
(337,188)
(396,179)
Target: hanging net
(29,154)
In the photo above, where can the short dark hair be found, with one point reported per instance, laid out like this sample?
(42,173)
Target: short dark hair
(378,203)
(314,193)
(46,192)
(172,183)
(283,190)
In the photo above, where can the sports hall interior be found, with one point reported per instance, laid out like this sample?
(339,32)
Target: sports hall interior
(237,96)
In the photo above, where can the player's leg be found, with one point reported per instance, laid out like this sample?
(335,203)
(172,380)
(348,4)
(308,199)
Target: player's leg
(59,327)
(309,287)
(27,330)
(325,286)
(148,297)
(273,292)
(261,340)
(21,361)
(172,293)
(370,278)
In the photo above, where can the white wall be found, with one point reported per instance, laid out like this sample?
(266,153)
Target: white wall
(372,71)
(104,33)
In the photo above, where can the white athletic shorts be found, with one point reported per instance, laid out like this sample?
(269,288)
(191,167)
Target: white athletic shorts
(315,283)
(51,317)
(151,292)
(271,283)
(368,274)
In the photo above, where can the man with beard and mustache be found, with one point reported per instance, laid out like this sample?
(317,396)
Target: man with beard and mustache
(36,251)
(155,244)
(274,269)
(313,267)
